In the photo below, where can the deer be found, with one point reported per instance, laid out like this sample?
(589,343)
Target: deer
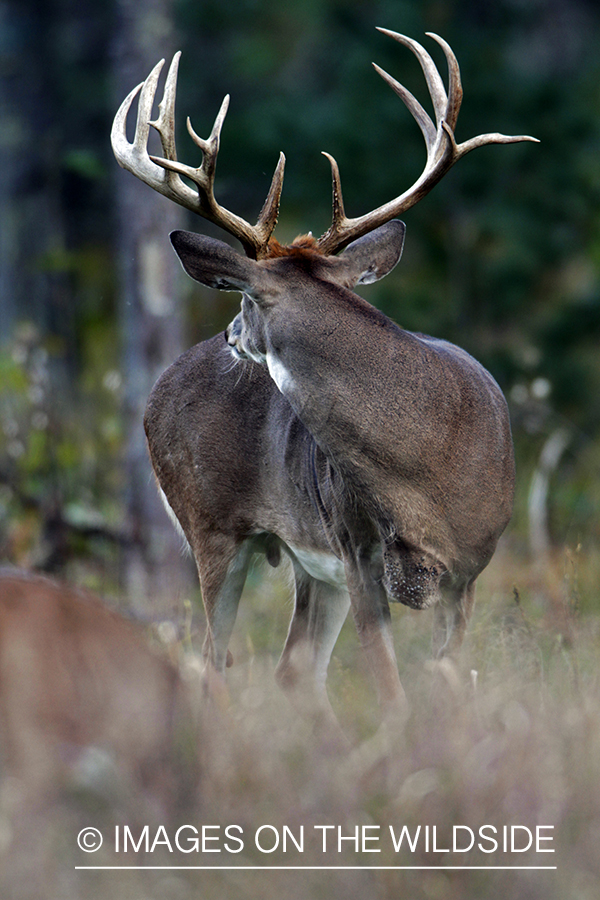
(96,719)
(85,698)
(379,461)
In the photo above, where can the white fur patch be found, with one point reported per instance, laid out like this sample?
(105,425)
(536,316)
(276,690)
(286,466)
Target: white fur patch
(174,520)
(320,565)
(280,374)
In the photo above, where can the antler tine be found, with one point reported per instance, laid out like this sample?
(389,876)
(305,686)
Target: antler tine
(210,147)
(165,123)
(134,156)
(442,149)
(163,173)
(422,118)
(455,91)
(267,220)
(339,215)
(435,85)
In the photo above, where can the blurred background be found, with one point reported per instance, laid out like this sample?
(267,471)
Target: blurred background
(502,258)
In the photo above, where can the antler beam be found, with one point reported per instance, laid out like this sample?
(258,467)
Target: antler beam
(442,149)
(163,173)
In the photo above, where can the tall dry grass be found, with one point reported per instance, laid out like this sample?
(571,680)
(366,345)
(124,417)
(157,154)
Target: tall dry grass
(512,737)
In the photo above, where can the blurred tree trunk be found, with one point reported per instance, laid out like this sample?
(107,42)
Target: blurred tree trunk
(150,318)
(32,234)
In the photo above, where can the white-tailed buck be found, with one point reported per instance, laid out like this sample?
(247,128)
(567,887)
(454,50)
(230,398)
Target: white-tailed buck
(380,461)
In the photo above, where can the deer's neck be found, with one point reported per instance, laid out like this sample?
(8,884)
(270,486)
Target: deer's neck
(343,377)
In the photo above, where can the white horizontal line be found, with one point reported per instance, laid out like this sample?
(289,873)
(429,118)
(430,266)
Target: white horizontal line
(312,868)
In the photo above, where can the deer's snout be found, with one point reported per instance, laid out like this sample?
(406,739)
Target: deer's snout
(233,331)
(233,335)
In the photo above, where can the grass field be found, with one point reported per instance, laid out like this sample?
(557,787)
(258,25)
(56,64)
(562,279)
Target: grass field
(505,749)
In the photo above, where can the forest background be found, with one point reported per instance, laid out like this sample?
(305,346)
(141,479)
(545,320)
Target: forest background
(502,258)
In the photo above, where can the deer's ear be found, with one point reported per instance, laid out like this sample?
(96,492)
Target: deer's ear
(371,257)
(214,263)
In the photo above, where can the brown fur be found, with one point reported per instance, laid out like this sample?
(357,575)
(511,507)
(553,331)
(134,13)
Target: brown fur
(77,681)
(302,246)
(379,460)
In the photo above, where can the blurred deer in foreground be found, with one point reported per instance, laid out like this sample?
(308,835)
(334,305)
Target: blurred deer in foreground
(380,461)
(85,703)
(95,722)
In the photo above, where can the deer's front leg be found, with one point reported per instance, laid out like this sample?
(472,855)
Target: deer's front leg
(371,612)
(450,620)
(319,613)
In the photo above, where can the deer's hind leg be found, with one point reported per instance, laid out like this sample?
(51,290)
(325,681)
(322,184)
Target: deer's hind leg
(319,613)
(371,612)
(222,562)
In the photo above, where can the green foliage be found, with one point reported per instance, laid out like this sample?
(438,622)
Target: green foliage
(503,257)
(489,252)
(59,457)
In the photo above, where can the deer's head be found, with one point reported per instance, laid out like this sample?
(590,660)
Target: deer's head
(278,292)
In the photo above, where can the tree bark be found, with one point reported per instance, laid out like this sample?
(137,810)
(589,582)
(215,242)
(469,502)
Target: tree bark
(151,318)
(32,220)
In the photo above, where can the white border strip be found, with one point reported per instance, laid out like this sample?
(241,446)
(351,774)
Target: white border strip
(316,868)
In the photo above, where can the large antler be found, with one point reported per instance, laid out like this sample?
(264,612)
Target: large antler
(442,149)
(162,174)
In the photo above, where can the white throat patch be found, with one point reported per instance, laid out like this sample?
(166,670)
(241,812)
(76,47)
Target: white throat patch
(280,374)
